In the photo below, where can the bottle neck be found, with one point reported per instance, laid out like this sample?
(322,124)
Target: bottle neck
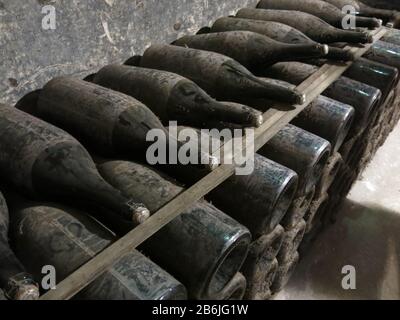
(199,108)
(350,36)
(305,51)
(16,283)
(66,170)
(275,91)
(104,195)
(340,54)
(375,12)
(365,22)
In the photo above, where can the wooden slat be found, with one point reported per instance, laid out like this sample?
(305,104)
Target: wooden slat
(274,121)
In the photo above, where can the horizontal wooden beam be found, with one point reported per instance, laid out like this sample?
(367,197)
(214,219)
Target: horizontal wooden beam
(274,121)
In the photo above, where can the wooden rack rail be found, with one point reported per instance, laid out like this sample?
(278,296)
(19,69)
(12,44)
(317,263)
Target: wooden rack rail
(274,121)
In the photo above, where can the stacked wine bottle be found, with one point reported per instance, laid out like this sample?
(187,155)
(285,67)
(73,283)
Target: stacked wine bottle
(75,177)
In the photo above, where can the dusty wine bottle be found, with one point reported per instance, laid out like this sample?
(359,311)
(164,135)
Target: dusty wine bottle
(366,103)
(301,151)
(313,215)
(385,4)
(235,289)
(392,36)
(330,173)
(119,124)
(363,98)
(365,10)
(384,52)
(391,17)
(75,238)
(292,240)
(284,272)
(252,49)
(310,25)
(374,74)
(324,117)
(109,120)
(327,118)
(276,31)
(340,4)
(261,280)
(258,200)
(298,209)
(14,280)
(203,248)
(321,9)
(173,97)
(275,185)
(44,161)
(220,76)
(261,262)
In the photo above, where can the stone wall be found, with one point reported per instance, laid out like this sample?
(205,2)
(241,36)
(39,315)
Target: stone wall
(90,34)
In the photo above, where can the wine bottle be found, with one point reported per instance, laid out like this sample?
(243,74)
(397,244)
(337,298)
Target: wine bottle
(384,52)
(284,272)
(374,74)
(321,9)
(110,121)
(261,264)
(235,289)
(173,97)
(236,196)
(203,248)
(314,214)
(312,26)
(366,103)
(292,240)
(392,36)
(220,76)
(118,123)
(270,275)
(328,119)
(300,205)
(252,49)
(324,117)
(258,200)
(365,10)
(363,98)
(389,16)
(385,4)
(339,4)
(301,151)
(76,238)
(45,161)
(14,280)
(276,31)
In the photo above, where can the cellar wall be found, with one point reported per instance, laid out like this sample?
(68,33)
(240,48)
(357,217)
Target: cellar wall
(89,34)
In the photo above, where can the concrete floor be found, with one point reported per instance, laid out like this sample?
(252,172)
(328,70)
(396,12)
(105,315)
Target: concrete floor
(366,236)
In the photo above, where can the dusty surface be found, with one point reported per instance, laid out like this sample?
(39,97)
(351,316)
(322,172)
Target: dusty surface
(366,236)
(90,34)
